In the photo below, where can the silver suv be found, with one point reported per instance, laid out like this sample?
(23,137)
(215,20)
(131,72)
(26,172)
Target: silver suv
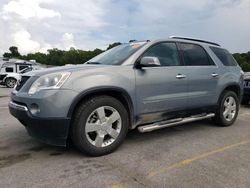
(147,85)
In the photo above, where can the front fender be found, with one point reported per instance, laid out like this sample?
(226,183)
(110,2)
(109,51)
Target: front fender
(102,89)
(116,79)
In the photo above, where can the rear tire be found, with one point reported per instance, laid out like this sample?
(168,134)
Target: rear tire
(227,110)
(99,126)
(10,82)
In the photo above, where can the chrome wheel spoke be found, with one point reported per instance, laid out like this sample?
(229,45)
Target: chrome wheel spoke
(233,107)
(113,133)
(113,118)
(226,104)
(226,112)
(230,116)
(99,140)
(91,127)
(231,101)
(101,113)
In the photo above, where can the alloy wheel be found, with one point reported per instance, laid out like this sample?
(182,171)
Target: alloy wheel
(103,126)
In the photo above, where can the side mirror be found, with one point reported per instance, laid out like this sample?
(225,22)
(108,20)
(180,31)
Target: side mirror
(148,61)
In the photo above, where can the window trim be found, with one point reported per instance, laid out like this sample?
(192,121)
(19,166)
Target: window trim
(137,61)
(208,56)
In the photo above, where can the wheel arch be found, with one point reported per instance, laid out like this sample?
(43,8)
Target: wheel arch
(8,77)
(232,87)
(235,88)
(116,92)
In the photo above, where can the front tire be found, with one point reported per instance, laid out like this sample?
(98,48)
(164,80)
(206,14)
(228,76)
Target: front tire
(10,82)
(100,125)
(228,109)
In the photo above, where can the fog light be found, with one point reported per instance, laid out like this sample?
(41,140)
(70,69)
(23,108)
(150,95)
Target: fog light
(34,109)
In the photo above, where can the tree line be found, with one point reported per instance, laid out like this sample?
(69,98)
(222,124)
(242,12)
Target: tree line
(244,60)
(59,57)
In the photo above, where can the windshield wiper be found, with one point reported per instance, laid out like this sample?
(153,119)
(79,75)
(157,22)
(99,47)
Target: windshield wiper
(96,63)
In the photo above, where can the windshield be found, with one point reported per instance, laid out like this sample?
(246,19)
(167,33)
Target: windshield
(116,55)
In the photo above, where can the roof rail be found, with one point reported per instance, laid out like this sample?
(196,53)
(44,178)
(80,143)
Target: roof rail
(193,39)
(131,41)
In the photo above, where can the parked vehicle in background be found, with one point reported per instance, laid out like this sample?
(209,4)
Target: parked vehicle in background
(147,85)
(246,95)
(10,73)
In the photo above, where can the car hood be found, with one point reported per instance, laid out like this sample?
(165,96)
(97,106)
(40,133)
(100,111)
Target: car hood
(66,68)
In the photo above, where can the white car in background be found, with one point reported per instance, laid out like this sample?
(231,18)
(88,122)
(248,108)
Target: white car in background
(10,73)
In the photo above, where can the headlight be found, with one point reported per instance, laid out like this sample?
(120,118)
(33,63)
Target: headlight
(49,81)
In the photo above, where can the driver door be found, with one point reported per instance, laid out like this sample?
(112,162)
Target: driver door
(162,90)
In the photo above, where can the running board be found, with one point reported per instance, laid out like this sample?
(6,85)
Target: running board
(173,122)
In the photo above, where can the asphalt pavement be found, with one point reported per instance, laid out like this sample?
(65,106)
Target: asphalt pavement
(197,154)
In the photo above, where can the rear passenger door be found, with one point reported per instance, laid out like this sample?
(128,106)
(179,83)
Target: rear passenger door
(202,76)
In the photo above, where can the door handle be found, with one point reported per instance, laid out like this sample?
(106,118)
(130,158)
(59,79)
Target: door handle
(214,74)
(180,76)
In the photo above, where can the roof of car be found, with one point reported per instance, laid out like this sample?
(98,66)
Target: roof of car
(7,64)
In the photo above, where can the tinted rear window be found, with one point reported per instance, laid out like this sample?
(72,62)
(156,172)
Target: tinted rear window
(195,55)
(225,57)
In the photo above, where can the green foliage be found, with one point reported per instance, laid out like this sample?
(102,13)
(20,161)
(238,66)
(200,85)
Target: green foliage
(245,66)
(58,57)
(61,57)
(7,55)
(13,53)
(38,56)
(244,60)
(75,56)
(113,45)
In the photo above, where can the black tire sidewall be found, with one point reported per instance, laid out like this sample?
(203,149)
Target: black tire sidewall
(220,118)
(79,136)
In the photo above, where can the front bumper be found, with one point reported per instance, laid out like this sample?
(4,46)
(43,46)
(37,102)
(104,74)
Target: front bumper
(52,131)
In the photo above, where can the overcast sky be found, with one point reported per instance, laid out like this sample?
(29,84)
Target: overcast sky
(37,25)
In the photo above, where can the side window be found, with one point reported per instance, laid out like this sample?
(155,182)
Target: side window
(21,67)
(195,55)
(26,70)
(9,69)
(224,56)
(166,52)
